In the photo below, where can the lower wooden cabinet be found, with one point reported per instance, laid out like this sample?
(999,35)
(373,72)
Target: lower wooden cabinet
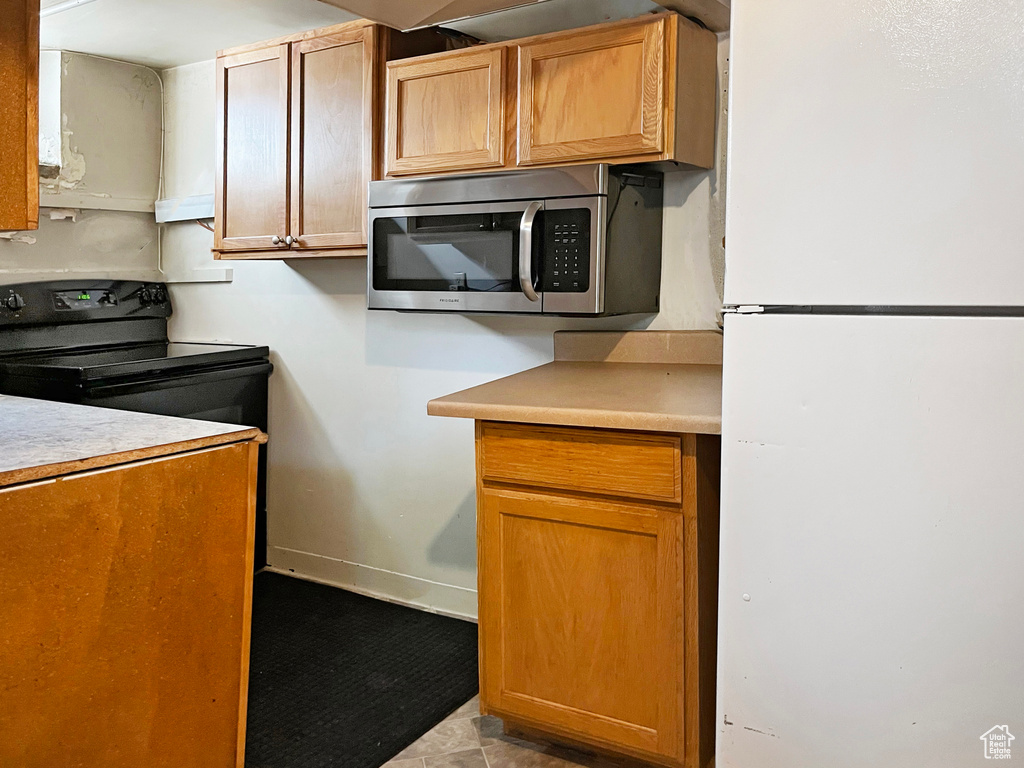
(598,609)
(125,602)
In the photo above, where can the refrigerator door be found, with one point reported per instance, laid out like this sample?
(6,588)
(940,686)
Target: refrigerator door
(872,542)
(876,153)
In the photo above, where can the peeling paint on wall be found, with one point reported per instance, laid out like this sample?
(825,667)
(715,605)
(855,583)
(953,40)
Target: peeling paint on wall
(72,164)
(110,129)
(96,215)
(18,237)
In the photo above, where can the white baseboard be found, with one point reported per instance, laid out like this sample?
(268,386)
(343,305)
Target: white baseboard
(400,588)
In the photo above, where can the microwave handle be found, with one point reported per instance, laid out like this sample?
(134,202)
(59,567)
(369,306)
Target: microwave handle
(526,250)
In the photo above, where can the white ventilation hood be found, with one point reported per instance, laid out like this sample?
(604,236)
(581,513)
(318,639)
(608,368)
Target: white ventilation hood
(406,15)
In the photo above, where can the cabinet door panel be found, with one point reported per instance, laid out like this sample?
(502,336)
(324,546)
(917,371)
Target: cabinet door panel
(592,95)
(125,602)
(446,113)
(252,144)
(19,111)
(581,617)
(332,138)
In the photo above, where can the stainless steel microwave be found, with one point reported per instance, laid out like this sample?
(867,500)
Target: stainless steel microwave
(581,240)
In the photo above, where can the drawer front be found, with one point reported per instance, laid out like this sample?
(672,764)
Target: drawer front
(627,464)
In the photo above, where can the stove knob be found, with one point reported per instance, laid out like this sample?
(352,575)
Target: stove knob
(15,302)
(152,294)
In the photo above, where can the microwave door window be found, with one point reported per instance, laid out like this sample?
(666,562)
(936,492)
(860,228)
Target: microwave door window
(447,253)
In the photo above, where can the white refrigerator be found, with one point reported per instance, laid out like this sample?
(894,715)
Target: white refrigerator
(872,545)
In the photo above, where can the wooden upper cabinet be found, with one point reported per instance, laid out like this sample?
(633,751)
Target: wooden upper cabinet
(638,90)
(635,90)
(252,148)
(300,139)
(19,114)
(594,94)
(332,138)
(446,112)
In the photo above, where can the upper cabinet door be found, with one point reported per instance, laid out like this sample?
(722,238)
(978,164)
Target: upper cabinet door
(446,113)
(593,95)
(252,149)
(332,156)
(19,110)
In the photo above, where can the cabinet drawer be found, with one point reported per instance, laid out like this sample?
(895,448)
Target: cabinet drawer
(628,464)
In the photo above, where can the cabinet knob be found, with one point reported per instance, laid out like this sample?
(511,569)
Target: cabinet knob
(275,240)
(288,240)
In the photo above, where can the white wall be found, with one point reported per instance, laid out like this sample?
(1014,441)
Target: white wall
(102,119)
(79,242)
(366,490)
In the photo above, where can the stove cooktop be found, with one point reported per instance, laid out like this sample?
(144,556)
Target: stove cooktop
(134,360)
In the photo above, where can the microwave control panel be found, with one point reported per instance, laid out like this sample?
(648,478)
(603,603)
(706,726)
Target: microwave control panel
(566,262)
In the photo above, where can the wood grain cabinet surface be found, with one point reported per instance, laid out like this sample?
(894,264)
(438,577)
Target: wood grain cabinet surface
(598,587)
(446,112)
(299,139)
(636,90)
(251,203)
(19,114)
(125,602)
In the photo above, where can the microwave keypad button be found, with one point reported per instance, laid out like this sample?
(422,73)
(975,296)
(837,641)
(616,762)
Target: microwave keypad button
(567,250)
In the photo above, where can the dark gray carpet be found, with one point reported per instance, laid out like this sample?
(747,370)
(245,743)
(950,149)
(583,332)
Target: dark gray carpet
(338,679)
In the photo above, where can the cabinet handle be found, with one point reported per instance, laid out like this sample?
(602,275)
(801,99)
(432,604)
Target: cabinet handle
(288,240)
(275,240)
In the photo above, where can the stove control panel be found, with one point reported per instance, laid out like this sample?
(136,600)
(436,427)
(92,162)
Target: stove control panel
(70,302)
(84,298)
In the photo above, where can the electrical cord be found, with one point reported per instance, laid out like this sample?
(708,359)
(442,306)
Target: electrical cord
(615,206)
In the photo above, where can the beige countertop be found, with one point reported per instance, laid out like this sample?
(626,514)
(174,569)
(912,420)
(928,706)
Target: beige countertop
(640,380)
(41,439)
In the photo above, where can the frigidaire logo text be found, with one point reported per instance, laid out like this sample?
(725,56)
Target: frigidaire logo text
(450,301)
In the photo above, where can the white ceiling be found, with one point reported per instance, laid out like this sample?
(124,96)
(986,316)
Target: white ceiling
(167,33)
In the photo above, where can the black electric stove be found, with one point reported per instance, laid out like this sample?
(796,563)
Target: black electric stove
(104,343)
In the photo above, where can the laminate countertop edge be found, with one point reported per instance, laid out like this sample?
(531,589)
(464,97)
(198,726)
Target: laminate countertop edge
(643,397)
(104,461)
(45,438)
(558,417)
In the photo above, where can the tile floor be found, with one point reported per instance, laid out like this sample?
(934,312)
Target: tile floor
(465,739)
